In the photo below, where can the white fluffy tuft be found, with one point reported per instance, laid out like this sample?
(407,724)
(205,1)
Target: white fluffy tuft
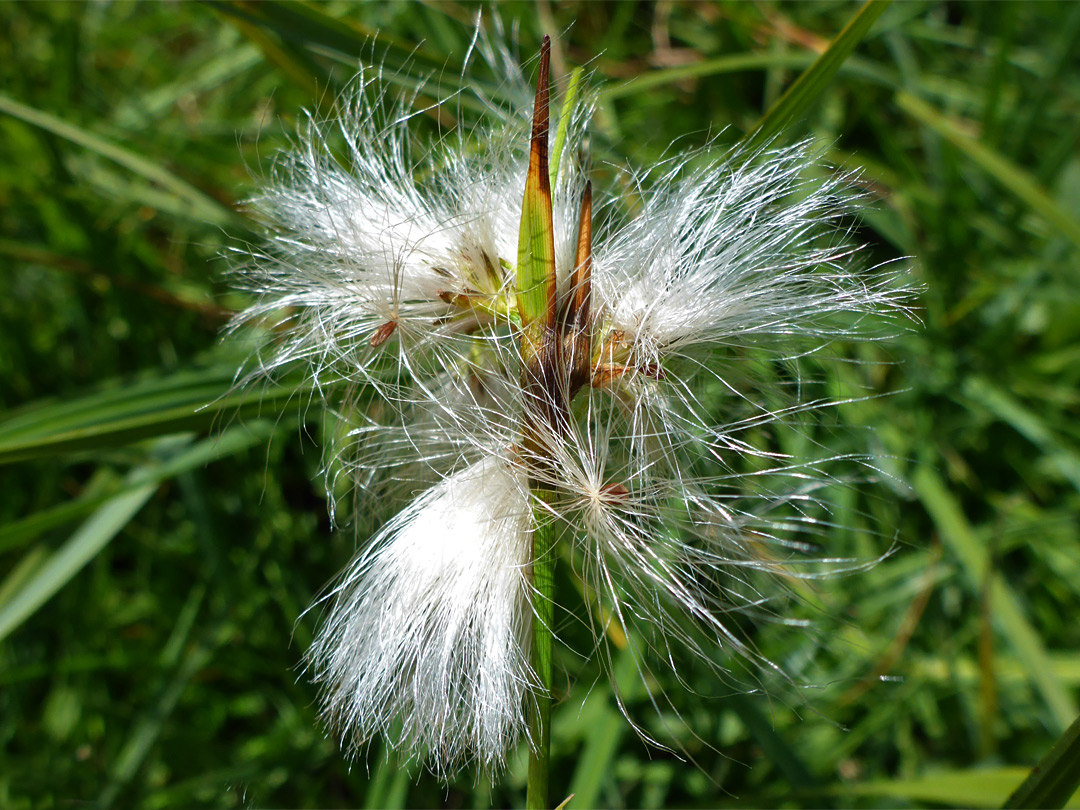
(742,247)
(427,639)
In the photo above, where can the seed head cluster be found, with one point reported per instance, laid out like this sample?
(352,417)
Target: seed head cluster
(394,274)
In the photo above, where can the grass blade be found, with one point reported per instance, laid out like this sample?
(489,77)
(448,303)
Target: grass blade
(976,788)
(189,401)
(201,206)
(405,63)
(1014,179)
(300,70)
(70,559)
(235,440)
(606,730)
(739,63)
(1055,779)
(786,760)
(311,26)
(813,81)
(1027,424)
(389,786)
(1009,616)
(110,518)
(153,718)
(20,532)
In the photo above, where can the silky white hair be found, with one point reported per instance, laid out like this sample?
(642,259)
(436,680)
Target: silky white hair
(427,638)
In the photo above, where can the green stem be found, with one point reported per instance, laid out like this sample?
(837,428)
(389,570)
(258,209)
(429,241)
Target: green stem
(543,580)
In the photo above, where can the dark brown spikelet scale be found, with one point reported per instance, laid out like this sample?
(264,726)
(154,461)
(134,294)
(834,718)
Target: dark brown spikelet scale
(577,334)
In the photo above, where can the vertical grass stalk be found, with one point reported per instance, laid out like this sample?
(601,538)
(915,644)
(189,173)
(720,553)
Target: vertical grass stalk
(543,582)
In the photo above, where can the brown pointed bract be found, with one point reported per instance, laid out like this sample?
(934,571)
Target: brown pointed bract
(577,337)
(581,279)
(538,156)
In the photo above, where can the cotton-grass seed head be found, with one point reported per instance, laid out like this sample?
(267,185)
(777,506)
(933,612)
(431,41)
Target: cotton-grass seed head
(489,336)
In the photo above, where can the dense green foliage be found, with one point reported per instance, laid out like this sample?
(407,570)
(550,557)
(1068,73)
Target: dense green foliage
(155,559)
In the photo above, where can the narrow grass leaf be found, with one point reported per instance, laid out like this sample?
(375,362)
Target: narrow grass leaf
(149,726)
(964,670)
(103,486)
(119,399)
(20,532)
(309,24)
(741,63)
(812,82)
(1028,424)
(109,519)
(146,109)
(404,63)
(1013,178)
(976,788)
(176,674)
(21,573)
(300,70)
(1055,779)
(776,750)
(82,547)
(202,207)
(157,407)
(389,786)
(1008,614)
(601,746)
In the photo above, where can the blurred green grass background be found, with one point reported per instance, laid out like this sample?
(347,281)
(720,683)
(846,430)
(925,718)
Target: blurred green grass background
(156,558)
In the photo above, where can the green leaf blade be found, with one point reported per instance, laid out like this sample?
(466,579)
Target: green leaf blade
(812,82)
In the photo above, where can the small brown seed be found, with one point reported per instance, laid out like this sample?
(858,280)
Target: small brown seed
(383,333)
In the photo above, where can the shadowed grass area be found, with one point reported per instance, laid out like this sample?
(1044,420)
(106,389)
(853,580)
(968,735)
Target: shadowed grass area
(156,558)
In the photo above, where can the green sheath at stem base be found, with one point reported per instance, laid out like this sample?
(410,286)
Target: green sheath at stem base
(543,581)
